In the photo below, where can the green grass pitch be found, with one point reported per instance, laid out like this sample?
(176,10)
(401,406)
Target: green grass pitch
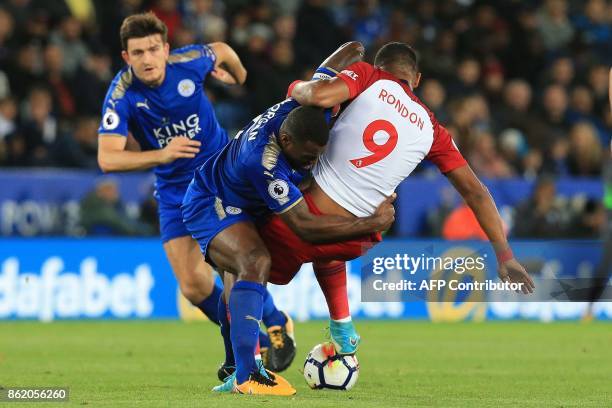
(403,364)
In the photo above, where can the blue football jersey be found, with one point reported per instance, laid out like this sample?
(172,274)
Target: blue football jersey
(251,172)
(155,115)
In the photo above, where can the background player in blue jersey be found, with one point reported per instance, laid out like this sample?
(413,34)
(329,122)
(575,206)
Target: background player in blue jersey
(159,98)
(258,173)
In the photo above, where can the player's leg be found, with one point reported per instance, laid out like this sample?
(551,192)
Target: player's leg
(229,380)
(229,365)
(239,250)
(228,283)
(270,312)
(231,242)
(271,315)
(195,277)
(281,349)
(227,371)
(332,280)
(288,252)
(249,262)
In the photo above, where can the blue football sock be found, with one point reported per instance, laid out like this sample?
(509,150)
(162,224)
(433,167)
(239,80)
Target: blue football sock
(225,333)
(210,305)
(271,315)
(246,307)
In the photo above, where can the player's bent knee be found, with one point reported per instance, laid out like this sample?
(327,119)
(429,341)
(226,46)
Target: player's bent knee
(255,266)
(196,290)
(193,294)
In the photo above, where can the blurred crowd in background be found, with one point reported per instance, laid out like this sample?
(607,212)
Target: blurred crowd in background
(521,85)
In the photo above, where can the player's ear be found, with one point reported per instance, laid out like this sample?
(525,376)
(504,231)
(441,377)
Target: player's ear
(125,56)
(284,139)
(167,49)
(416,81)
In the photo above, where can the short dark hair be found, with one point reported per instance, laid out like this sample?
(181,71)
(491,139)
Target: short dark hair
(307,123)
(141,25)
(397,54)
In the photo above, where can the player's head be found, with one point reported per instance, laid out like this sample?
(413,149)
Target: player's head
(401,60)
(144,42)
(303,136)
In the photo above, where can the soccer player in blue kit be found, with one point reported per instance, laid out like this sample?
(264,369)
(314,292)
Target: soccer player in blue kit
(257,173)
(159,98)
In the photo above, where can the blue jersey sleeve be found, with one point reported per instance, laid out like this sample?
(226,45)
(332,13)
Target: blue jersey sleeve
(200,57)
(208,59)
(275,187)
(115,116)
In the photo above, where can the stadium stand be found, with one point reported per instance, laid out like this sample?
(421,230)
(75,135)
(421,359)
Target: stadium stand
(516,113)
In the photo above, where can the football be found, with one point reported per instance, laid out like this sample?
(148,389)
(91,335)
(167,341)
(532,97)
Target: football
(325,369)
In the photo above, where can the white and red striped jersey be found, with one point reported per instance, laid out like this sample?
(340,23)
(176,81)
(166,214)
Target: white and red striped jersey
(378,140)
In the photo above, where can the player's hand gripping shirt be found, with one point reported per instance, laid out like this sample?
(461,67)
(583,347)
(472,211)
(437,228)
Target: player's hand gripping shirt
(378,140)
(251,173)
(155,115)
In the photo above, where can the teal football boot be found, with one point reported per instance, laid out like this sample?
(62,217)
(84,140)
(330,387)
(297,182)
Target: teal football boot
(345,338)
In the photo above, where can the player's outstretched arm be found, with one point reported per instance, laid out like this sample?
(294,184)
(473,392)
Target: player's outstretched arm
(347,54)
(112,155)
(228,67)
(328,92)
(477,197)
(324,93)
(332,228)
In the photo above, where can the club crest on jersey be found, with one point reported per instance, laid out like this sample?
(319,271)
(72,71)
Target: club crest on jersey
(278,189)
(232,210)
(110,120)
(186,87)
